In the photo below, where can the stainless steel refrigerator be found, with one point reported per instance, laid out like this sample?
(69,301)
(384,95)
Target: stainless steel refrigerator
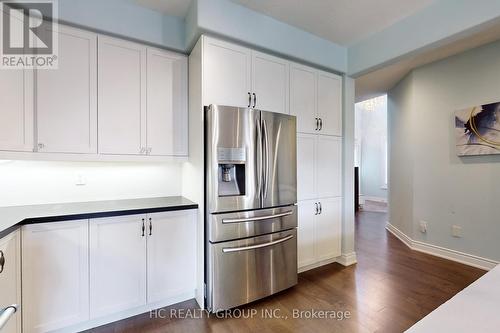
(251,216)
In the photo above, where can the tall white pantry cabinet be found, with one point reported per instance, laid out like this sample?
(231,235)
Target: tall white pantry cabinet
(316,101)
(225,73)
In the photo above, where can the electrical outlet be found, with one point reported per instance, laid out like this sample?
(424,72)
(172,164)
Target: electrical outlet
(423,227)
(81,180)
(456,231)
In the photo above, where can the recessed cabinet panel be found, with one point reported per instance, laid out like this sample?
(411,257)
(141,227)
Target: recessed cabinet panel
(328,166)
(10,279)
(303,97)
(122,97)
(171,254)
(306,166)
(330,103)
(226,73)
(16,115)
(55,278)
(167,117)
(270,78)
(305,233)
(117,264)
(327,228)
(66,98)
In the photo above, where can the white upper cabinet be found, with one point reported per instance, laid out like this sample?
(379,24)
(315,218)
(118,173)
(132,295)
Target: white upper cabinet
(330,103)
(167,117)
(16,115)
(328,166)
(122,97)
(316,100)
(226,73)
(270,83)
(171,254)
(328,226)
(55,275)
(117,264)
(303,97)
(10,278)
(66,98)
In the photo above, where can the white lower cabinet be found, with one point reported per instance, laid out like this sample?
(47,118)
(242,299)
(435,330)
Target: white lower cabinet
(117,264)
(171,255)
(55,275)
(327,229)
(305,233)
(319,231)
(10,278)
(79,274)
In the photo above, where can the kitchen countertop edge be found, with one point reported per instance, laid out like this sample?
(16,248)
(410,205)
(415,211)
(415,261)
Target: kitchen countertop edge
(178,203)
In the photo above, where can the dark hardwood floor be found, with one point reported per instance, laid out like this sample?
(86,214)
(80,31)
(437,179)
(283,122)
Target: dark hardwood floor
(389,290)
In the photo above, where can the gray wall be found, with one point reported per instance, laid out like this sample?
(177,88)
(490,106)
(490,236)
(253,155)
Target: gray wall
(427,180)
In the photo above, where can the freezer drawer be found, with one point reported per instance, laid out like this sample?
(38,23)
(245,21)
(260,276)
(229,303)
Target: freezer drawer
(230,226)
(246,270)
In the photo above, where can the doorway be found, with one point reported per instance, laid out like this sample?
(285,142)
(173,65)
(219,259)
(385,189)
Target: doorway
(371,154)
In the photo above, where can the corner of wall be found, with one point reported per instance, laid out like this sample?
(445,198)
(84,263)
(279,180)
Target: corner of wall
(400,113)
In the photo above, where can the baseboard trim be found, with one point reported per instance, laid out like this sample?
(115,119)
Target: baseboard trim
(92,323)
(344,259)
(347,259)
(363,198)
(442,252)
(317,264)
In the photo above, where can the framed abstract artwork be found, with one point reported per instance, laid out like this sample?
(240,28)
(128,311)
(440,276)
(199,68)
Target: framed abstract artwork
(477,130)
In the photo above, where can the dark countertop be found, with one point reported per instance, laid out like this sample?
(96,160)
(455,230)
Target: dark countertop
(12,217)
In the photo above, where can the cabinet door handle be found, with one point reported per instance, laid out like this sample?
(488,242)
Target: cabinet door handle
(317,124)
(316,204)
(150,227)
(249,99)
(320,124)
(254,100)
(143,227)
(320,208)
(2,261)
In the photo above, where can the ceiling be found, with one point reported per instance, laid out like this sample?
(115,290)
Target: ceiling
(169,7)
(344,22)
(382,80)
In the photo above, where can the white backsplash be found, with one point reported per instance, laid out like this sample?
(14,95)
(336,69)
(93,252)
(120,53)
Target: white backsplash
(36,182)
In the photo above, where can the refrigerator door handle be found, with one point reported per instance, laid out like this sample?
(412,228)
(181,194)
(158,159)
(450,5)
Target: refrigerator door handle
(258,218)
(266,157)
(257,246)
(259,161)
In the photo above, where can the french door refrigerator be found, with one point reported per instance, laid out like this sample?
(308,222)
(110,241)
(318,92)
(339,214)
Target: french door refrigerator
(251,213)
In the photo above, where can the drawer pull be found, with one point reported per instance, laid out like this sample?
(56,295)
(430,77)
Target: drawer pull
(6,313)
(257,246)
(257,218)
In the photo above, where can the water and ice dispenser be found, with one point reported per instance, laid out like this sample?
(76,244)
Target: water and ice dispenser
(231,173)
